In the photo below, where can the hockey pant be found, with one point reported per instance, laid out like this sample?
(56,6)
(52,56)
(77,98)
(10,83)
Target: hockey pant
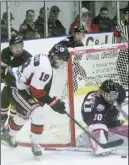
(27,108)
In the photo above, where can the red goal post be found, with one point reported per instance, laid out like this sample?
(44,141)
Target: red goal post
(87,68)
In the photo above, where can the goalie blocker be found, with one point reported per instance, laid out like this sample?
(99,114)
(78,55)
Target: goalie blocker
(100,114)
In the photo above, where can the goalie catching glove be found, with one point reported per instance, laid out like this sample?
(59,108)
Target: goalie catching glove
(57,105)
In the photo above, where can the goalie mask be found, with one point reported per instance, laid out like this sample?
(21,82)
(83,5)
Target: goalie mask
(58,54)
(109,91)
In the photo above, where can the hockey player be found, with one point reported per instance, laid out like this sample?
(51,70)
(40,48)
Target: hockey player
(14,55)
(75,40)
(33,80)
(121,34)
(99,113)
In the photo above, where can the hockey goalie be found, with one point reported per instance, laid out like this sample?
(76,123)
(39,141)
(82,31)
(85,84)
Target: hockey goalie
(100,111)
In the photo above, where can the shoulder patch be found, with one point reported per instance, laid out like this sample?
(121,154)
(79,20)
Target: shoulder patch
(37,60)
(100,107)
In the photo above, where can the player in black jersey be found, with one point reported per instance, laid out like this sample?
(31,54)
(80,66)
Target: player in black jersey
(75,40)
(12,56)
(100,111)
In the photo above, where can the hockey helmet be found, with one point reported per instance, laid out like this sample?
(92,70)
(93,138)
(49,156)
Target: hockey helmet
(109,91)
(16,45)
(17,39)
(61,52)
(126,9)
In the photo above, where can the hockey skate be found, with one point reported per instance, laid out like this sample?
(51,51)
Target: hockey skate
(7,139)
(37,151)
(105,153)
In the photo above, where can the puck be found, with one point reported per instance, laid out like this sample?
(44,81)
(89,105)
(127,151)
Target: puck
(123,156)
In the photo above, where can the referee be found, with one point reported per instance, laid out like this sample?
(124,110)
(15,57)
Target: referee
(121,33)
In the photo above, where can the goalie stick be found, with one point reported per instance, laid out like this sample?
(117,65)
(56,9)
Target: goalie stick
(119,108)
(118,151)
(106,145)
(125,115)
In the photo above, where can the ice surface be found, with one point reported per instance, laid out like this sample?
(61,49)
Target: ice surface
(23,156)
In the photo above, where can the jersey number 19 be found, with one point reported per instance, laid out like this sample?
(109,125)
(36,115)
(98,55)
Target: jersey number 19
(44,77)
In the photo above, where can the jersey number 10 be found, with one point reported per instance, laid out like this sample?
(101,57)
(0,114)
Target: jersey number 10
(98,117)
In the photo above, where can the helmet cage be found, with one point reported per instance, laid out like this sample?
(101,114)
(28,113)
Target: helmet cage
(109,97)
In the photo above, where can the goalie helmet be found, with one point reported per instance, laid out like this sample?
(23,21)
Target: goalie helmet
(109,91)
(59,52)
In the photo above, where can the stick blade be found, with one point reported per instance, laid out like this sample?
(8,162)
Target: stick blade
(112,144)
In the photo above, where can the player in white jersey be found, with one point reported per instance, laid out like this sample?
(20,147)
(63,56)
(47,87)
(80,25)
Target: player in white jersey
(33,80)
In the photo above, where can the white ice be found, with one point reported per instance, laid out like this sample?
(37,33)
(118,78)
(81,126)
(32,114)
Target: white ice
(23,156)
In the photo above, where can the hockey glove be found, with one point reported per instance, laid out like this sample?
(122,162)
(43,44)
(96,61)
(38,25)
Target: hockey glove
(2,71)
(57,105)
(10,80)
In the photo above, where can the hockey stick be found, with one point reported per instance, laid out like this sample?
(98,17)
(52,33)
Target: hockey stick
(125,115)
(124,103)
(118,151)
(106,145)
(119,108)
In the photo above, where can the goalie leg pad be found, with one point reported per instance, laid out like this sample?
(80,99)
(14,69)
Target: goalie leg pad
(100,133)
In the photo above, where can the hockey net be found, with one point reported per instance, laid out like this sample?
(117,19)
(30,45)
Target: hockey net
(87,68)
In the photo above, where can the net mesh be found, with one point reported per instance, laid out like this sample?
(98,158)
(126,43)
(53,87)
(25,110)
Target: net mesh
(90,67)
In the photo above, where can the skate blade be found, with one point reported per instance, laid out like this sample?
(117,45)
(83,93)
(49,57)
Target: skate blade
(104,154)
(6,144)
(38,158)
